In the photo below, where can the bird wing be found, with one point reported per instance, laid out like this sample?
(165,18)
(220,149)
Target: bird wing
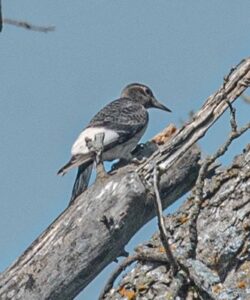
(120,120)
(75,161)
(124,117)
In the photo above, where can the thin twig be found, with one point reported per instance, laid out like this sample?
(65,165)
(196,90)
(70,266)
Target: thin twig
(161,225)
(234,85)
(211,159)
(120,268)
(233,116)
(163,233)
(141,256)
(28,26)
(201,181)
(1,18)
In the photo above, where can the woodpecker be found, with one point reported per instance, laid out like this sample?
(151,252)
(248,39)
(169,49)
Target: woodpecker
(122,123)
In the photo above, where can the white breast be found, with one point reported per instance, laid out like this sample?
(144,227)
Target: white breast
(80,147)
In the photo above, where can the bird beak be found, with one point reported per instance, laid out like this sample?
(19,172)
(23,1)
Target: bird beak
(157,104)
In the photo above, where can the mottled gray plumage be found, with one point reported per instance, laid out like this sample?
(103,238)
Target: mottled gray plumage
(123,122)
(124,116)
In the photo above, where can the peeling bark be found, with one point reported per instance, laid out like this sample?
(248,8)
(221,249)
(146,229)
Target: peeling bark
(221,267)
(91,233)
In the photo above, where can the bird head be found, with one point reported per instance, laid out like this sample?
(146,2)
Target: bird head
(142,94)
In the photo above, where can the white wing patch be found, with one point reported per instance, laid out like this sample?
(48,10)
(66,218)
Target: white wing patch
(80,147)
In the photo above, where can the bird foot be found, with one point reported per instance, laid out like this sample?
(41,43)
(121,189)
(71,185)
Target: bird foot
(137,161)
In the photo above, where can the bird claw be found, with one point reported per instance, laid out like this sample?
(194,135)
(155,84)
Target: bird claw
(137,161)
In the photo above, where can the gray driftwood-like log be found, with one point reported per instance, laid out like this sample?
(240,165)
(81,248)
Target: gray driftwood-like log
(221,267)
(93,231)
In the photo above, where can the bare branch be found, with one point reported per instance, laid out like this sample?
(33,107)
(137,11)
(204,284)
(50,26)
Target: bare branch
(161,225)
(1,18)
(121,267)
(202,175)
(140,256)
(234,85)
(94,231)
(233,122)
(221,267)
(28,26)
(209,160)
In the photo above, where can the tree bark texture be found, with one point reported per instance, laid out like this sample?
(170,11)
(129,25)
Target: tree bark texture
(93,231)
(221,266)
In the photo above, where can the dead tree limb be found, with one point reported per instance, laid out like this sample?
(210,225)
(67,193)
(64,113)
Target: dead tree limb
(182,265)
(161,225)
(23,24)
(27,25)
(143,256)
(221,267)
(234,85)
(93,231)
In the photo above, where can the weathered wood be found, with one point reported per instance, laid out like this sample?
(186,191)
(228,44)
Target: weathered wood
(221,267)
(94,230)
(90,234)
(234,85)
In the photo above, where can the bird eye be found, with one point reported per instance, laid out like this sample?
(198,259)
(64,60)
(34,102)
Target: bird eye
(148,91)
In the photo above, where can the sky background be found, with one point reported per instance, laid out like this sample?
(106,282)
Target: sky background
(52,84)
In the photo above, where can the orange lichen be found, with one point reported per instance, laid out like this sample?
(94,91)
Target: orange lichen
(161,249)
(182,219)
(241,284)
(165,135)
(130,294)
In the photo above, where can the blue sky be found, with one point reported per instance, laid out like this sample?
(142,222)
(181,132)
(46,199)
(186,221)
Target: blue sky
(52,84)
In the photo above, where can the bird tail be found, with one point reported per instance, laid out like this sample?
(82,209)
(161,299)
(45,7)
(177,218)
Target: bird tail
(82,180)
(76,160)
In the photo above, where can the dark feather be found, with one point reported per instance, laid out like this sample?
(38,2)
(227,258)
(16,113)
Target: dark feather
(82,180)
(123,115)
(73,161)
